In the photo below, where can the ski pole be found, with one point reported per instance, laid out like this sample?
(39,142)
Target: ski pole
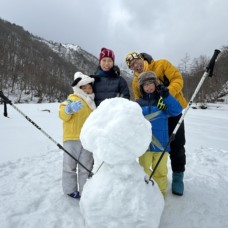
(207,73)
(39,128)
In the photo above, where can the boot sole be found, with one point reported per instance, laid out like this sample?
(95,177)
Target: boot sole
(177,193)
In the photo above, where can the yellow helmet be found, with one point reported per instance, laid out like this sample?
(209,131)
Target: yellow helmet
(132,55)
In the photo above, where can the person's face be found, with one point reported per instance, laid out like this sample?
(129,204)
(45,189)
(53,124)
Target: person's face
(88,89)
(137,65)
(106,63)
(149,87)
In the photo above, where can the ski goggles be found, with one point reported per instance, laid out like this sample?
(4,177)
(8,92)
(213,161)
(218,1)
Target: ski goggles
(131,56)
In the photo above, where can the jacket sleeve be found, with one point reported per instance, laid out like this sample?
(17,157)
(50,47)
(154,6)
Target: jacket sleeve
(174,76)
(123,89)
(62,114)
(135,87)
(173,106)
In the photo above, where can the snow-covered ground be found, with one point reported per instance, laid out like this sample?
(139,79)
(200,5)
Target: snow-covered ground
(31,164)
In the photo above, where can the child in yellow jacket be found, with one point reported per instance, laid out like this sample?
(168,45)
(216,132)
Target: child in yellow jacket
(74,112)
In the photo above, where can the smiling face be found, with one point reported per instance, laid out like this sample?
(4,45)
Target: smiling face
(137,65)
(88,89)
(106,63)
(149,87)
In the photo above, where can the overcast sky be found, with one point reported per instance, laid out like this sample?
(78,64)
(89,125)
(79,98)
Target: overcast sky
(167,29)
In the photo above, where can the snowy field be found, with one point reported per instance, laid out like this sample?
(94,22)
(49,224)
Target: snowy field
(31,164)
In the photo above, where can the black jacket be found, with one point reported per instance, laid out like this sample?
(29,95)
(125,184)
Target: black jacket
(109,85)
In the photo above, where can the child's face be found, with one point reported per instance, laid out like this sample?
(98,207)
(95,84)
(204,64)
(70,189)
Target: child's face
(88,89)
(106,63)
(149,87)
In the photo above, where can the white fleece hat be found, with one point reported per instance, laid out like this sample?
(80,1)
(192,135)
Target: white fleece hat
(81,79)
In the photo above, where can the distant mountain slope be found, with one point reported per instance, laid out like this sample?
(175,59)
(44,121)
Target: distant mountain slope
(85,62)
(28,66)
(33,69)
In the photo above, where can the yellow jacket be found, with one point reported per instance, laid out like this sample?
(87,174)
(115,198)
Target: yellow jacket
(73,123)
(163,68)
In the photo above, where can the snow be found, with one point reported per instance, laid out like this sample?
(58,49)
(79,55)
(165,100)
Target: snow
(55,46)
(72,46)
(116,122)
(117,134)
(31,165)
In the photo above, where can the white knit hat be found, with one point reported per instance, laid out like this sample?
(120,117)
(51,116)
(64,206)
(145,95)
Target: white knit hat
(81,79)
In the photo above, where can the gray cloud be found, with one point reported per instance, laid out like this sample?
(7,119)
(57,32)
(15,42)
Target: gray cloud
(165,29)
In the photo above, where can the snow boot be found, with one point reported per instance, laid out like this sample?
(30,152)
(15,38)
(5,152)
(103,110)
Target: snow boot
(178,183)
(75,195)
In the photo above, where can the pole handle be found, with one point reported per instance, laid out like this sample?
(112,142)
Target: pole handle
(211,64)
(5,98)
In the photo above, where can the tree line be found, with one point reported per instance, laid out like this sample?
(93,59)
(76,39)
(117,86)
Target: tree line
(213,87)
(31,67)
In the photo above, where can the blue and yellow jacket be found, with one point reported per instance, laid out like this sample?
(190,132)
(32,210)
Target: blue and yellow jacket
(159,118)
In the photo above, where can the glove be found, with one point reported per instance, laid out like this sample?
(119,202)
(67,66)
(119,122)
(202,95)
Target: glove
(147,57)
(73,107)
(116,69)
(164,91)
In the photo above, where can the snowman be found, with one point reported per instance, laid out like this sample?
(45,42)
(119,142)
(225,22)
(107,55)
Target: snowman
(117,196)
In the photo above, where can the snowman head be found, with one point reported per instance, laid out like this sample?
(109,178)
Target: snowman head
(116,132)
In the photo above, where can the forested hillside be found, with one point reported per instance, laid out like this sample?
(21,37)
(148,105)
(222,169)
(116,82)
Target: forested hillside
(213,87)
(32,66)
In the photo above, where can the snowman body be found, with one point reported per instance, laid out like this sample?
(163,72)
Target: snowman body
(117,195)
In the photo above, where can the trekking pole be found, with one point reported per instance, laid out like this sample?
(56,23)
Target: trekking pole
(207,73)
(6,100)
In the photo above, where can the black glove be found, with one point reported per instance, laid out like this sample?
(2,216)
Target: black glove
(116,70)
(147,57)
(164,91)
